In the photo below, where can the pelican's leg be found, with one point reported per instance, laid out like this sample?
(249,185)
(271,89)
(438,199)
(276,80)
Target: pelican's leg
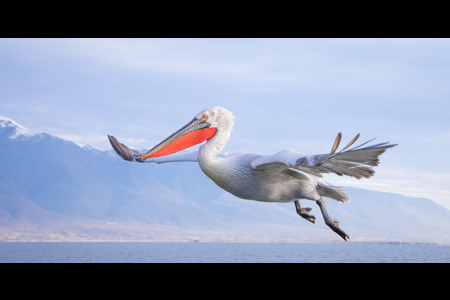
(333,224)
(304,212)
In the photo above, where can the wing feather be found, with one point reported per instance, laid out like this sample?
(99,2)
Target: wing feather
(336,143)
(134,155)
(357,162)
(351,142)
(123,151)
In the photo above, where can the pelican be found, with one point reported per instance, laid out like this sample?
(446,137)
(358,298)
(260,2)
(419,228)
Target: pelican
(286,176)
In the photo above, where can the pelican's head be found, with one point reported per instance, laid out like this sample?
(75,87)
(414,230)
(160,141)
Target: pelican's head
(218,117)
(203,127)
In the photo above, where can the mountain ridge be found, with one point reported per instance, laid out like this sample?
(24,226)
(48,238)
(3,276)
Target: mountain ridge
(46,180)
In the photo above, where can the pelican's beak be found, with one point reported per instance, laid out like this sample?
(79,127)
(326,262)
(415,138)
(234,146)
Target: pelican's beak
(189,135)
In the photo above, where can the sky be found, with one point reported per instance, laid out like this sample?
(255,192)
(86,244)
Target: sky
(284,93)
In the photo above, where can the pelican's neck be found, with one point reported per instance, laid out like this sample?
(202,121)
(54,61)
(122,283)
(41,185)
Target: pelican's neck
(207,154)
(222,120)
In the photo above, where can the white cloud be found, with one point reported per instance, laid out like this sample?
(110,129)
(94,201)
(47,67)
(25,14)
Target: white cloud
(413,183)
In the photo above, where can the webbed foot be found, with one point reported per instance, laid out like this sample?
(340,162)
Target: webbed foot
(333,224)
(304,212)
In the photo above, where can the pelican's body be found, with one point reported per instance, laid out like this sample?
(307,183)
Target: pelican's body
(236,175)
(287,176)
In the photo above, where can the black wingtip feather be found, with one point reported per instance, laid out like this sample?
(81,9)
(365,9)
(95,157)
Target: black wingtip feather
(336,143)
(119,148)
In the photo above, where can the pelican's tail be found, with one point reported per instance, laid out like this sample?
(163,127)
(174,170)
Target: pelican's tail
(335,193)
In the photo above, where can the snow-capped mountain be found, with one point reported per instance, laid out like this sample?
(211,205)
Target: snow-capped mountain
(9,128)
(45,180)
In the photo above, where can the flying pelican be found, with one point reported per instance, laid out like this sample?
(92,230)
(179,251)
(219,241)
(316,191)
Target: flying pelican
(286,176)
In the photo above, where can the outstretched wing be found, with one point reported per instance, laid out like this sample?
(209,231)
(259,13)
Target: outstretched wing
(133,155)
(356,162)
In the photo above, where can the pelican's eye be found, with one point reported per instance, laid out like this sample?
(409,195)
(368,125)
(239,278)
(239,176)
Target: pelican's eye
(204,116)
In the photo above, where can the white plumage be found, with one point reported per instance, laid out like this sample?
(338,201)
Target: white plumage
(286,176)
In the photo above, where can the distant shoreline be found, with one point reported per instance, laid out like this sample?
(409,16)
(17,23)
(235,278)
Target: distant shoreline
(232,242)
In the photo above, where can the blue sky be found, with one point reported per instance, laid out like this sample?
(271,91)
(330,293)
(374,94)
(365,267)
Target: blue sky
(294,93)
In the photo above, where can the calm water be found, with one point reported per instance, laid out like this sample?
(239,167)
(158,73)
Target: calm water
(219,253)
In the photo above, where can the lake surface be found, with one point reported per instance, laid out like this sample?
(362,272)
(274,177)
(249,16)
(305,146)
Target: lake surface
(220,253)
